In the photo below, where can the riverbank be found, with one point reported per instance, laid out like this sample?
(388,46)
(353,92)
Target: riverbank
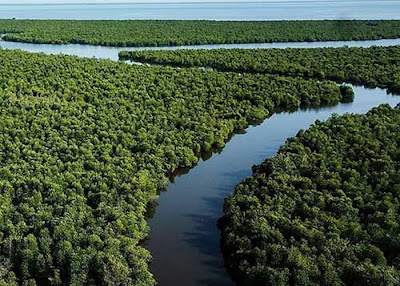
(184,240)
(183,226)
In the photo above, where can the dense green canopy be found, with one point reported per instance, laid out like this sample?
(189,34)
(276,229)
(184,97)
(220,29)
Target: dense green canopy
(173,33)
(85,145)
(374,66)
(324,211)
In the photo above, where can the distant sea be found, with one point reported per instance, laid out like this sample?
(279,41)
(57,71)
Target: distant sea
(269,10)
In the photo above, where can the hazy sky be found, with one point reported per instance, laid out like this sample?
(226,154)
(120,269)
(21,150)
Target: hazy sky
(127,1)
(114,1)
(151,1)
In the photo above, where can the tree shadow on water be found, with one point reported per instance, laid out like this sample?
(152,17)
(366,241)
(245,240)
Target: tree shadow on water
(205,236)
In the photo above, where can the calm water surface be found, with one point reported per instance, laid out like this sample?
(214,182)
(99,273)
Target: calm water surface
(111,53)
(184,239)
(244,10)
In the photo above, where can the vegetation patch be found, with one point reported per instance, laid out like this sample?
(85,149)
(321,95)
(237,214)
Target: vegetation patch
(374,66)
(324,211)
(186,32)
(85,145)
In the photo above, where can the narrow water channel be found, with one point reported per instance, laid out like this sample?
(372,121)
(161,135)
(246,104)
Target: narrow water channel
(184,239)
(102,52)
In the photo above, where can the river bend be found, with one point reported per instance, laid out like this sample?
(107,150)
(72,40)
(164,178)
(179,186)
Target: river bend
(184,239)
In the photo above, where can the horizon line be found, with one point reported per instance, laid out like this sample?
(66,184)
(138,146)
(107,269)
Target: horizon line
(180,2)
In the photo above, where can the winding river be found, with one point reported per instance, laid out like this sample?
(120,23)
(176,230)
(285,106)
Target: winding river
(102,52)
(184,239)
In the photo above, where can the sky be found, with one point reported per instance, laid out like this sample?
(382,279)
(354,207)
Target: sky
(127,1)
(112,1)
(150,1)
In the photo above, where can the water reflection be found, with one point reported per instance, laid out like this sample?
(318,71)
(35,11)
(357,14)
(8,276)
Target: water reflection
(184,240)
(184,237)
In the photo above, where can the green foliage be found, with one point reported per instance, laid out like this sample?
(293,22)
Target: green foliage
(375,66)
(324,211)
(347,93)
(86,144)
(173,33)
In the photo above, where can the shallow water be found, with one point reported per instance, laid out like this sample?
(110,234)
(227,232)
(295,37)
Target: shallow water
(235,10)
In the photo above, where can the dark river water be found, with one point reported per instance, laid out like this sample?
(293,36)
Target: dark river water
(184,239)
